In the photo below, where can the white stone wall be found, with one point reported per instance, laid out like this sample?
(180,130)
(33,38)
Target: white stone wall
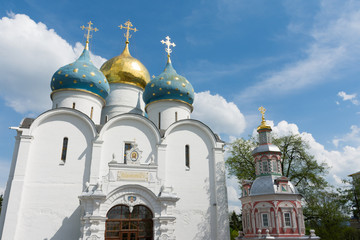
(47,202)
(127,129)
(87,103)
(197,212)
(170,112)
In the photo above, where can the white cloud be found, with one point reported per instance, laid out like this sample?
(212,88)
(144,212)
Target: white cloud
(232,194)
(336,34)
(233,191)
(348,97)
(351,138)
(235,208)
(221,116)
(30,54)
(342,162)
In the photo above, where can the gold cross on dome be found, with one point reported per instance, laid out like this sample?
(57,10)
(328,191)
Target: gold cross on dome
(168,44)
(128,26)
(88,34)
(262,110)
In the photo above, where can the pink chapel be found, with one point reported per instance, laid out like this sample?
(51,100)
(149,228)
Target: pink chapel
(271,205)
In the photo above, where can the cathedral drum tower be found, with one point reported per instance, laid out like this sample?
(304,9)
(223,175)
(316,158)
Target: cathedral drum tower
(271,205)
(127,77)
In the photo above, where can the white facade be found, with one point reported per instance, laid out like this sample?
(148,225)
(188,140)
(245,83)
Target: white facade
(177,173)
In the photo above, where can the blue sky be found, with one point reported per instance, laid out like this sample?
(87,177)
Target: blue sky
(298,59)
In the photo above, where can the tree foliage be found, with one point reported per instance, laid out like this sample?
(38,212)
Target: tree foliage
(241,163)
(352,194)
(326,212)
(235,224)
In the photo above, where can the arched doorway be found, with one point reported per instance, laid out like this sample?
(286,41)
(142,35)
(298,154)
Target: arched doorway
(125,225)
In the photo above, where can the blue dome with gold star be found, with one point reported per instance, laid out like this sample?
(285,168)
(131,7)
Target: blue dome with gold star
(81,75)
(169,86)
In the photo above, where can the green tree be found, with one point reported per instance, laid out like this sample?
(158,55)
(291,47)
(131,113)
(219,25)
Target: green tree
(327,213)
(235,224)
(353,195)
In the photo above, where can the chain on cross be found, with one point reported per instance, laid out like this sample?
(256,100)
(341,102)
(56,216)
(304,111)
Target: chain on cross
(168,44)
(88,34)
(262,110)
(128,26)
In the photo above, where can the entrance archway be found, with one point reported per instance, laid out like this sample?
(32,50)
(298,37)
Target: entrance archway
(125,225)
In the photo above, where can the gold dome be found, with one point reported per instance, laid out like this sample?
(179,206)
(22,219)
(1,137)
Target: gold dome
(126,69)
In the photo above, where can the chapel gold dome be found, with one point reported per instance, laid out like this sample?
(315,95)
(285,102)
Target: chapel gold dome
(126,69)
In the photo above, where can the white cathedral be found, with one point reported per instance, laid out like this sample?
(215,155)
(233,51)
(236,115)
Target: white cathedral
(117,157)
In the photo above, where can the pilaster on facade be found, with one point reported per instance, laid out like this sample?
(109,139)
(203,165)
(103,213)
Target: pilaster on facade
(92,221)
(161,161)
(14,194)
(95,166)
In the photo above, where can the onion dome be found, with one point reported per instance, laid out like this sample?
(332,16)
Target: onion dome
(169,85)
(81,75)
(124,68)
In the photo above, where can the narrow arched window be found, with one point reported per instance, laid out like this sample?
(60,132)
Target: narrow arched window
(265,166)
(176,116)
(187,156)
(73,105)
(159,120)
(56,106)
(106,118)
(91,112)
(275,166)
(64,149)
(128,146)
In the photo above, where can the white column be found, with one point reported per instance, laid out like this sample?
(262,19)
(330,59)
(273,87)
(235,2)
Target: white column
(253,222)
(293,218)
(277,223)
(299,222)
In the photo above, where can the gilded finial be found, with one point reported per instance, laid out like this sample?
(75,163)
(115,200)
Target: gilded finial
(128,26)
(88,34)
(168,44)
(263,122)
